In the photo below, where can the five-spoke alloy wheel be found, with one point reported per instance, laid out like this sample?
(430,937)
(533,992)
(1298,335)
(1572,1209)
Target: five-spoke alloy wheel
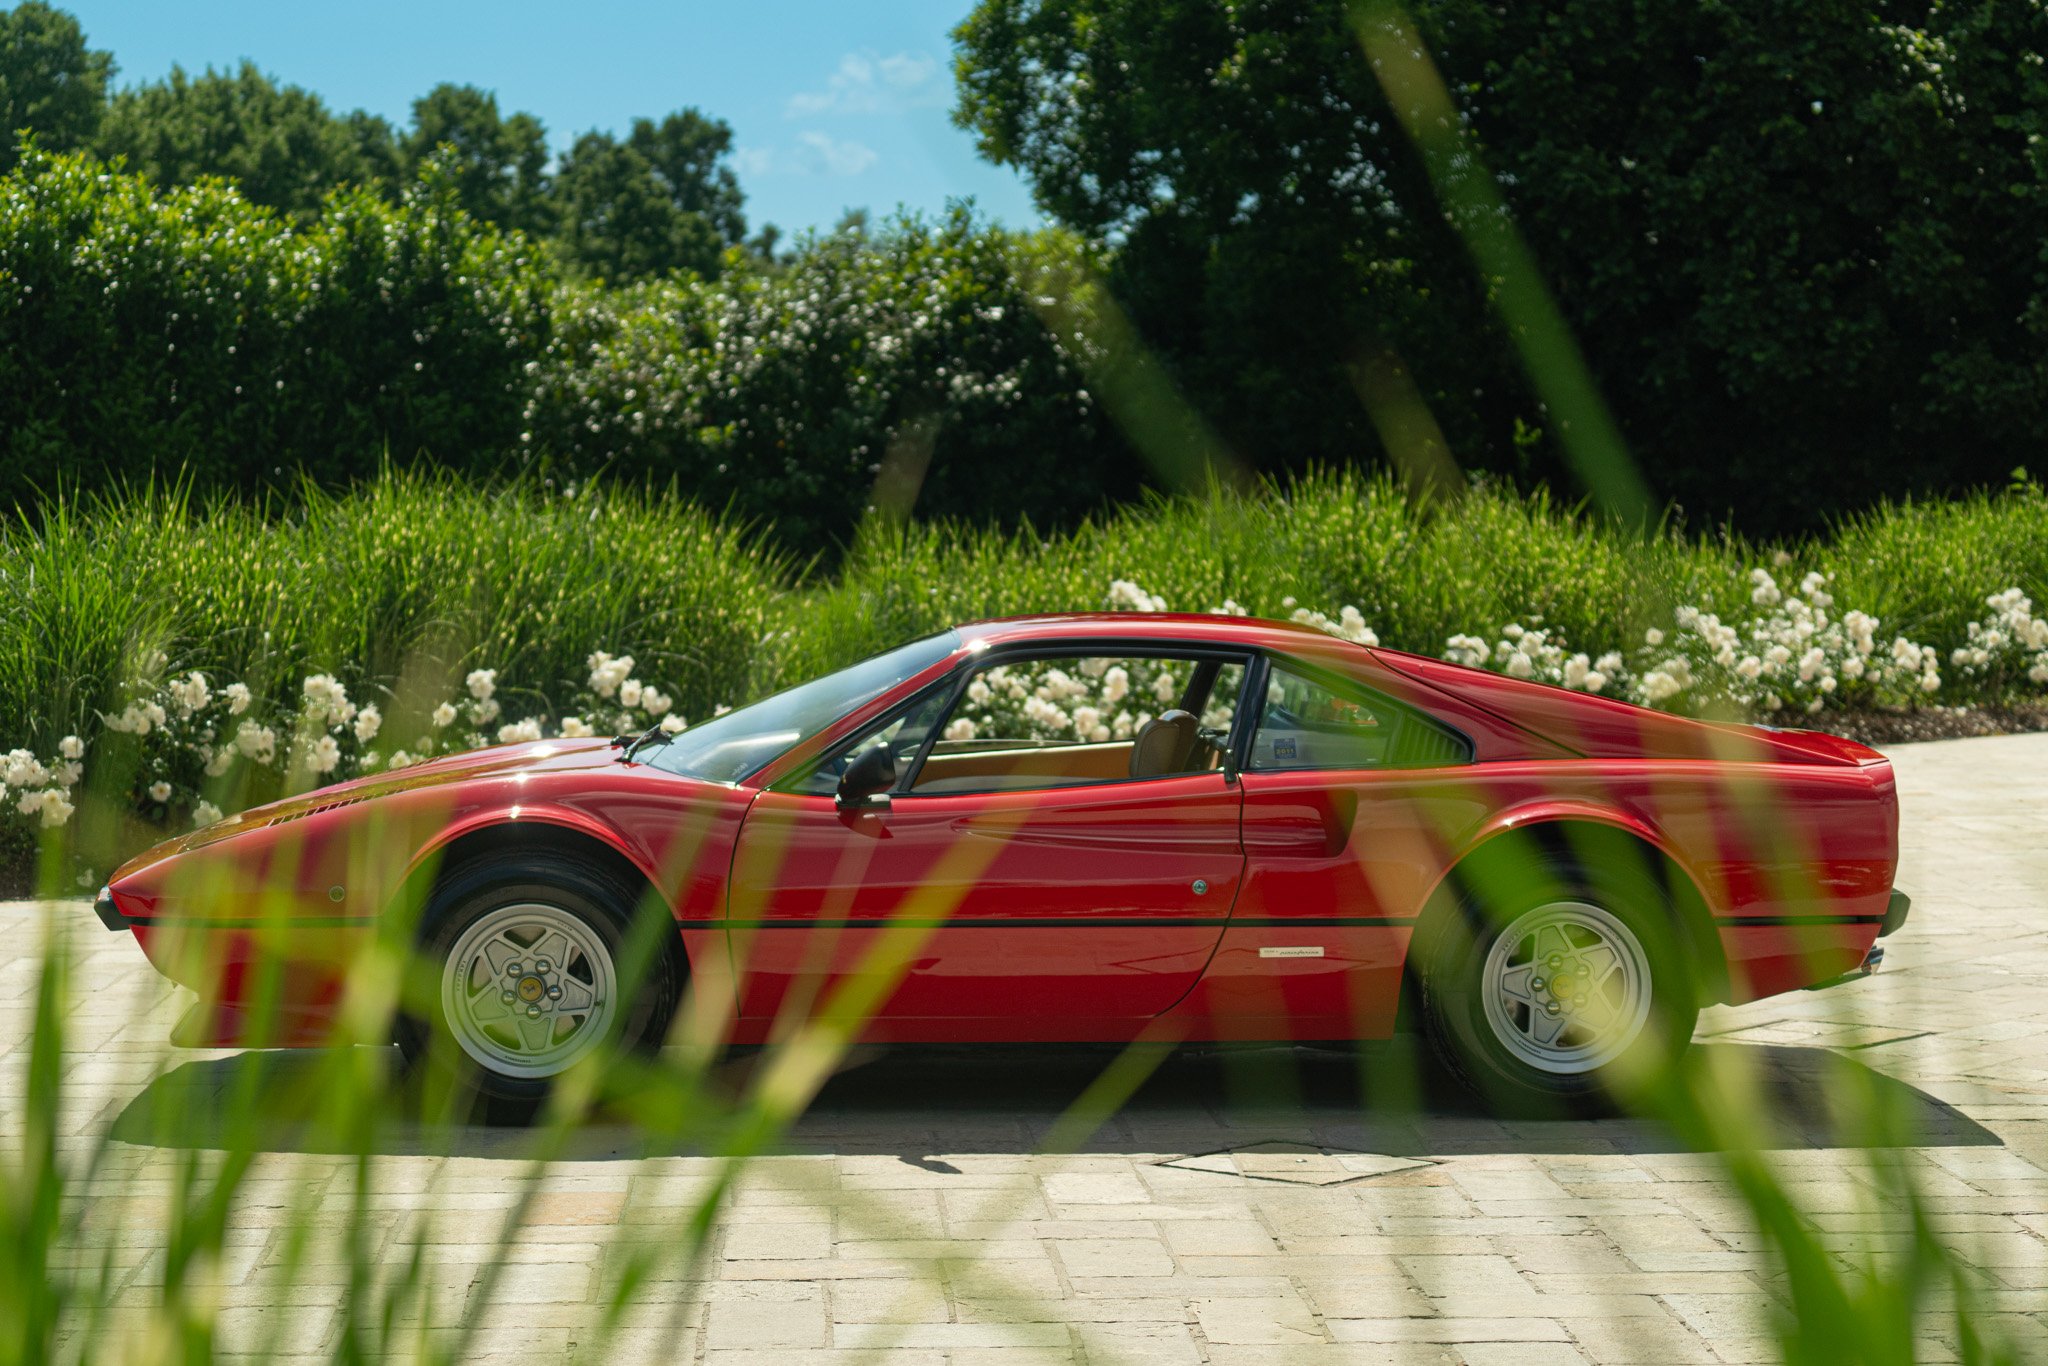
(1556,986)
(532,967)
(529,989)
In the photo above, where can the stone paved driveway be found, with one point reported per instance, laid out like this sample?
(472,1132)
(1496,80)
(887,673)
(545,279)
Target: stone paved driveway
(1239,1210)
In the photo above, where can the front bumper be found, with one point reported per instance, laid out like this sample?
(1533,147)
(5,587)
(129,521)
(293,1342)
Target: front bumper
(1895,914)
(110,915)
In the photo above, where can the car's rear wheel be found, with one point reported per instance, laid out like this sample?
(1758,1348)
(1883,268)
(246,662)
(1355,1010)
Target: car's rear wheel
(1561,991)
(531,967)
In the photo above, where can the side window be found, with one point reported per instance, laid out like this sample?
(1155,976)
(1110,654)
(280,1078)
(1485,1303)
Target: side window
(904,733)
(1062,721)
(1307,723)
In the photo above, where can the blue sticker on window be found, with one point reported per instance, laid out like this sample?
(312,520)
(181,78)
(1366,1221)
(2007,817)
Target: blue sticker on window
(1283,749)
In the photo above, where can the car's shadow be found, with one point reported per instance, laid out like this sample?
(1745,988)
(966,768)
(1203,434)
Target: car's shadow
(917,1103)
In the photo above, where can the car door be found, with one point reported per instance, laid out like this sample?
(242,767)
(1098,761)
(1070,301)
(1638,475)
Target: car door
(1005,882)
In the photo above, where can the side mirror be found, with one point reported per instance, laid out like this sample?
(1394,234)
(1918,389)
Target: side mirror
(872,771)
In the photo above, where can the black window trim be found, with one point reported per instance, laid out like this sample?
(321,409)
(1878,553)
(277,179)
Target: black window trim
(1361,692)
(1087,647)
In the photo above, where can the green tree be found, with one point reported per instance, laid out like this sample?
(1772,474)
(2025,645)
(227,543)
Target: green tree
(51,83)
(280,143)
(499,167)
(1798,239)
(660,200)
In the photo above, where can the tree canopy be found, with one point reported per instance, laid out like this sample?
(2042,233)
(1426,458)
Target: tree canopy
(1799,240)
(51,83)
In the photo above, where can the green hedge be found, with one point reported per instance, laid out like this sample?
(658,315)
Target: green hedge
(192,335)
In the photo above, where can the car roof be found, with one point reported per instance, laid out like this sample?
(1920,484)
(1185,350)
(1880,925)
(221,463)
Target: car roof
(1252,632)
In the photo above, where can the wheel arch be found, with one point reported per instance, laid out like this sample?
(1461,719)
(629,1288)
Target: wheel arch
(1573,838)
(532,833)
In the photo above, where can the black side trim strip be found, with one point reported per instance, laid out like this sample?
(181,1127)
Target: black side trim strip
(1800,919)
(1059,923)
(313,922)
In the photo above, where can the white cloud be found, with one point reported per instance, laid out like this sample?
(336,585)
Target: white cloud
(868,83)
(815,154)
(833,156)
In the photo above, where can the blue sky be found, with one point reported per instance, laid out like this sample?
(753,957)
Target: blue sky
(832,105)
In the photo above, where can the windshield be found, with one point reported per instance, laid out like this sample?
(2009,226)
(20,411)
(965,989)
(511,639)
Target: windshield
(741,742)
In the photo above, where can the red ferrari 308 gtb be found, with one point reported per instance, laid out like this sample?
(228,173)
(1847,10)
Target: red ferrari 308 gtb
(1064,828)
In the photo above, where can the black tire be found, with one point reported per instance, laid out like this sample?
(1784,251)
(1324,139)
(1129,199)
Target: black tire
(1616,907)
(645,964)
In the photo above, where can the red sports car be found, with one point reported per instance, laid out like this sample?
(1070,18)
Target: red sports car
(1063,828)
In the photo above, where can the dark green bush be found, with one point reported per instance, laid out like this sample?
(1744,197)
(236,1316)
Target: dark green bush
(191,331)
(787,394)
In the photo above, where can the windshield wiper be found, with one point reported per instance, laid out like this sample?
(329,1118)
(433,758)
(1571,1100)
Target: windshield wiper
(653,735)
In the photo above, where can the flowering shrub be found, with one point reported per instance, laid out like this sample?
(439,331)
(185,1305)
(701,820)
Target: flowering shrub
(194,747)
(2009,642)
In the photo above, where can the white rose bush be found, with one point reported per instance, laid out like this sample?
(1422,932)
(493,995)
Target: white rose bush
(198,750)
(197,746)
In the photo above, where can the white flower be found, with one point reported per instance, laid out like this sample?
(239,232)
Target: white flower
(481,683)
(629,693)
(237,695)
(256,742)
(655,703)
(487,710)
(962,729)
(444,716)
(159,792)
(367,722)
(68,773)
(400,759)
(1125,596)
(1164,688)
(71,747)
(55,807)
(324,755)
(22,770)
(222,760)
(1653,637)
(189,693)
(519,731)
(327,701)
(674,725)
(1471,651)
(1520,665)
(1086,719)
(607,672)
(575,728)
(205,813)
(1658,685)
(1116,685)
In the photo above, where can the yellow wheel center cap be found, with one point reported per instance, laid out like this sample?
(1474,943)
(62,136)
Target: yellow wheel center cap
(1561,987)
(530,988)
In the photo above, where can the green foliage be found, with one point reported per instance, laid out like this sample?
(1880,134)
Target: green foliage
(51,83)
(901,365)
(422,572)
(1798,243)
(414,572)
(280,144)
(226,343)
(656,203)
(497,165)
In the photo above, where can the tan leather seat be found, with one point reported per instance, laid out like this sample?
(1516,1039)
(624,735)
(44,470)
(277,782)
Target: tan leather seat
(1165,745)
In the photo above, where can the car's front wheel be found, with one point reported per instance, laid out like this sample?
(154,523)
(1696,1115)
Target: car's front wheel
(1572,993)
(532,967)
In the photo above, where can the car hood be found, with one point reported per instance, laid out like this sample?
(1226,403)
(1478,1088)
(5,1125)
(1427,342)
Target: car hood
(532,756)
